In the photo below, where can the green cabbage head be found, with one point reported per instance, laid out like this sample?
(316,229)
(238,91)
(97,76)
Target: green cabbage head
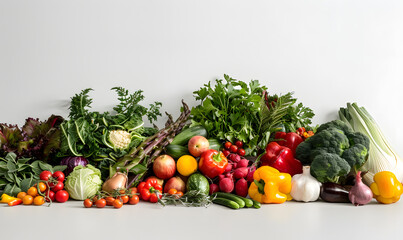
(83,182)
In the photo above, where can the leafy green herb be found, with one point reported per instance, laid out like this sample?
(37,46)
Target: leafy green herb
(192,198)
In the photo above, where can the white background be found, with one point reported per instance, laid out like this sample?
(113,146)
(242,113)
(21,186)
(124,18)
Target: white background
(329,52)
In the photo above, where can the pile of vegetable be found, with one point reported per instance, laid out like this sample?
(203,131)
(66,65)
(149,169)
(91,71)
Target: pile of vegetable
(240,147)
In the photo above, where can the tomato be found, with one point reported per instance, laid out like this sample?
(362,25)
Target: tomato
(153,198)
(42,186)
(172,191)
(226,152)
(100,203)
(39,200)
(32,191)
(239,144)
(109,201)
(59,186)
(145,194)
(27,200)
(88,203)
(125,199)
(117,203)
(59,176)
(62,196)
(234,148)
(50,196)
(133,190)
(21,195)
(45,175)
(134,200)
(228,145)
(241,152)
(180,194)
(94,199)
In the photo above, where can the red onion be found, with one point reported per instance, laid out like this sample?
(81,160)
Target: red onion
(73,162)
(360,194)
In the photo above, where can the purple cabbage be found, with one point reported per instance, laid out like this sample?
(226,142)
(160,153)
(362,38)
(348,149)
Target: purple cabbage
(73,162)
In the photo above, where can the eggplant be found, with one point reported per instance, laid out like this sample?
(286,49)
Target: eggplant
(333,192)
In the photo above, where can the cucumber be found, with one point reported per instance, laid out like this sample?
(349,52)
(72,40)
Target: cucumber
(226,202)
(184,137)
(214,144)
(176,151)
(256,204)
(248,202)
(231,197)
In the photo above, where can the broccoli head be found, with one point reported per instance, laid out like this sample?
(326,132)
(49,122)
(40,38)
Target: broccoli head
(335,124)
(329,167)
(356,156)
(358,138)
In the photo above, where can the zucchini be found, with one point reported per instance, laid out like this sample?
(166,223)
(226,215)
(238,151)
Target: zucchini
(184,137)
(176,151)
(256,204)
(248,202)
(231,197)
(214,144)
(226,202)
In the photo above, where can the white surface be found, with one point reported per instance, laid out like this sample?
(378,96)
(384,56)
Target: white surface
(290,220)
(329,52)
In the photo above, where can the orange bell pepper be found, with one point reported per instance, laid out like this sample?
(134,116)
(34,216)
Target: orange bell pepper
(270,186)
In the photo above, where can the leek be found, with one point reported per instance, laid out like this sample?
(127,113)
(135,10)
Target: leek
(381,155)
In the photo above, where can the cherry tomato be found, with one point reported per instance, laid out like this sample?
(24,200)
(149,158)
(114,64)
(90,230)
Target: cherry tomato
(239,144)
(51,195)
(100,203)
(234,148)
(134,200)
(39,200)
(228,145)
(88,203)
(226,152)
(28,200)
(145,194)
(153,198)
(133,190)
(45,175)
(42,186)
(94,199)
(180,194)
(117,203)
(59,186)
(21,195)
(62,196)
(241,152)
(125,199)
(32,191)
(109,201)
(172,191)
(59,176)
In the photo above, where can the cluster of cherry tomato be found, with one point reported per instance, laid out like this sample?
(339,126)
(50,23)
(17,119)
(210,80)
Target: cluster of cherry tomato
(50,188)
(117,200)
(234,148)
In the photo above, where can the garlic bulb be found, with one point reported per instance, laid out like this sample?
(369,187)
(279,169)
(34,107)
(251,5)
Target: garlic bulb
(304,187)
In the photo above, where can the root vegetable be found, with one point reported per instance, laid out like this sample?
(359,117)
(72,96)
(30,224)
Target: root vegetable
(117,181)
(241,187)
(226,185)
(241,172)
(243,163)
(213,188)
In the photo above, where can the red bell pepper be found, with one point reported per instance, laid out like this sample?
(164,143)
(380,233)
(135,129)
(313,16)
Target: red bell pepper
(212,163)
(281,158)
(148,189)
(290,140)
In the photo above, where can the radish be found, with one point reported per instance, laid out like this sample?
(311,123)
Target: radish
(241,172)
(213,188)
(229,175)
(234,165)
(241,187)
(243,163)
(221,177)
(250,174)
(226,185)
(228,168)
(234,157)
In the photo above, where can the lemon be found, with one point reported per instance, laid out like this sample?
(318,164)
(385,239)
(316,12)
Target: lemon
(186,165)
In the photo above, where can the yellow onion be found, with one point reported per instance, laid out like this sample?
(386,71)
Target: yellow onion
(117,181)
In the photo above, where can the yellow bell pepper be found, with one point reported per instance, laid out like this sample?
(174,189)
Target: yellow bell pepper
(6,198)
(270,186)
(386,188)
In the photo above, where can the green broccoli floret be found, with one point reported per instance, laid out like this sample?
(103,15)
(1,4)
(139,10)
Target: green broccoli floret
(303,151)
(358,138)
(335,124)
(329,167)
(356,156)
